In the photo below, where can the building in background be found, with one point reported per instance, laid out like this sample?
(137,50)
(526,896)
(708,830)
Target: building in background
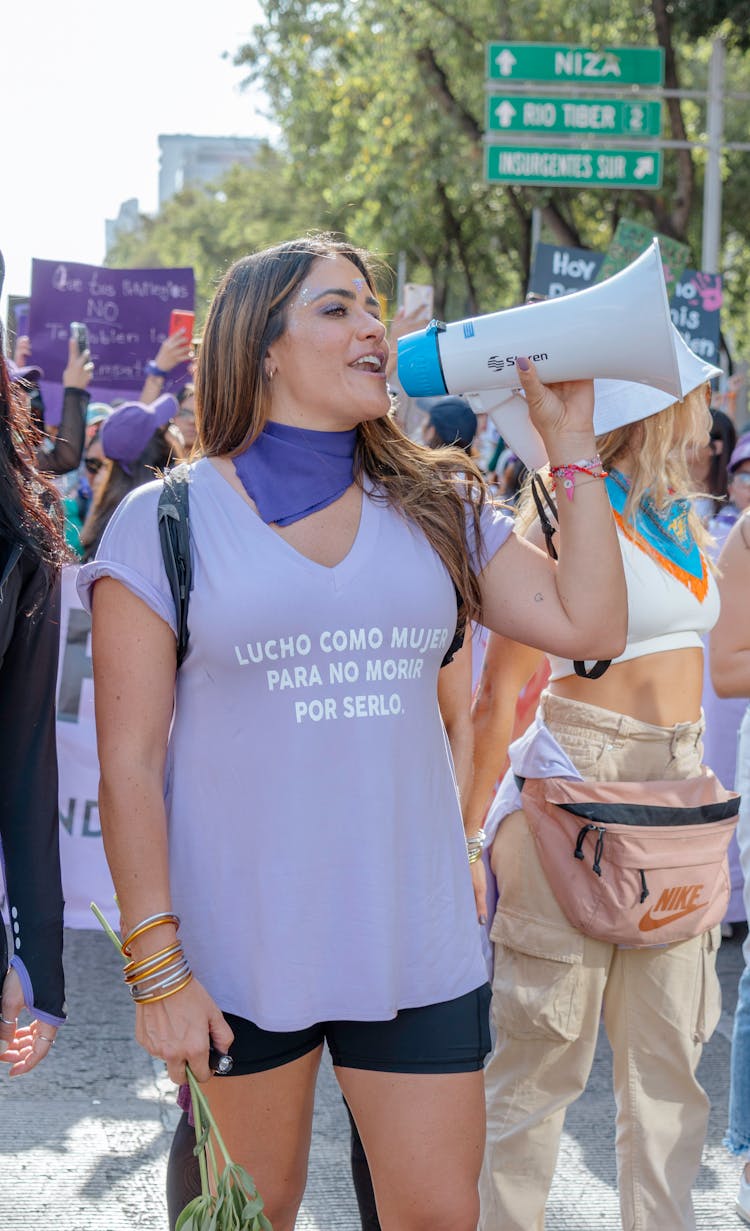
(199,160)
(185,160)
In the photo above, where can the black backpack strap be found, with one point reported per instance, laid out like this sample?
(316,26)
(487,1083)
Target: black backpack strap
(542,497)
(596,671)
(174,535)
(458,636)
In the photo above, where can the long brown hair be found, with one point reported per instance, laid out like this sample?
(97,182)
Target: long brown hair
(31,515)
(232,403)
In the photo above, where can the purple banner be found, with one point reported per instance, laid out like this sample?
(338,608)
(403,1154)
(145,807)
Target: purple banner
(21,311)
(126,312)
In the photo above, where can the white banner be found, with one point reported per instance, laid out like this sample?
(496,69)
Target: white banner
(85,874)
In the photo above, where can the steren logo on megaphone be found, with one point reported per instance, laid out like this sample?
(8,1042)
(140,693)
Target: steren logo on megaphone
(620,329)
(497,364)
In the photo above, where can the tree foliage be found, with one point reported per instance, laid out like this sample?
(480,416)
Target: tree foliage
(210,226)
(381,111)
(699,18)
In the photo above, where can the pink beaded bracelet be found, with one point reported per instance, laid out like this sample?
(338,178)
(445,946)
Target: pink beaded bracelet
(591,466)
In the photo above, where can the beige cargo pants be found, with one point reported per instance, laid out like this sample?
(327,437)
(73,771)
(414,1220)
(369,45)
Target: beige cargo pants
(551,986)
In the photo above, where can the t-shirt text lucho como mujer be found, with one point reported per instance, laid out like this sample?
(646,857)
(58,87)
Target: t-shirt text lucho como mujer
(316,850)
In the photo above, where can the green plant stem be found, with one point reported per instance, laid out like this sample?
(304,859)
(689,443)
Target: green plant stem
(107,928)
(211,1153)
(205,1188)
(196,1093)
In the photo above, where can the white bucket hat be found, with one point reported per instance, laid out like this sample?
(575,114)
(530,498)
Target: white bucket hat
(619,402)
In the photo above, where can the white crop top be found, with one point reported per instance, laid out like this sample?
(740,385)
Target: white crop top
(663,612)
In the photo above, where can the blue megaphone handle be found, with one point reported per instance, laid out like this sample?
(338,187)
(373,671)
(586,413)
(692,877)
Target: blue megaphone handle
(420,371)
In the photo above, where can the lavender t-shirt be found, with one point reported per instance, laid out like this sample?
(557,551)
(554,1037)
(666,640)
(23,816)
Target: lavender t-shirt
(317,857)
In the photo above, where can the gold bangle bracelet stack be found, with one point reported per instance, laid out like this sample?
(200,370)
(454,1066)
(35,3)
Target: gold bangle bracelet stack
(161,974)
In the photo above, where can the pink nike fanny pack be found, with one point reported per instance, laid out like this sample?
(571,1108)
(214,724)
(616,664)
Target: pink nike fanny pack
(635,863)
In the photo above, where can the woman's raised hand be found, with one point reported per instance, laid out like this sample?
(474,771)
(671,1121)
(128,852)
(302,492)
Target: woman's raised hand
(561,409)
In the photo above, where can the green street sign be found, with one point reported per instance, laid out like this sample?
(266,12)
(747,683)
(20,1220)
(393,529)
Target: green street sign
(577,168)
(603,117)
(563,62)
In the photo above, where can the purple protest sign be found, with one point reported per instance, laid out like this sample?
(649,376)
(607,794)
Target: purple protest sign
(126,312)
(21,311)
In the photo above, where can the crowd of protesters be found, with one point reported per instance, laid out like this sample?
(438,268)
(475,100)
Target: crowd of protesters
(284,418)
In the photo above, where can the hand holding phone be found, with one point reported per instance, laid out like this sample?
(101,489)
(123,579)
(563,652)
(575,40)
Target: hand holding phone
(179,319)
(79,368)
(80,333)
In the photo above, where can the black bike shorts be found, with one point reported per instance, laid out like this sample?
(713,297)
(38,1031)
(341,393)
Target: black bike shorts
(450,1037)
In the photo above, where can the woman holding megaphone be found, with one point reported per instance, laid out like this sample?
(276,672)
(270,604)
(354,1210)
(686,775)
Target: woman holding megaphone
(286,825)
(609,843)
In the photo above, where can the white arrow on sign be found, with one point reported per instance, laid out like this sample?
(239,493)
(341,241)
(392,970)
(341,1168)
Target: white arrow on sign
(505,112)
(644,167)
(505,61)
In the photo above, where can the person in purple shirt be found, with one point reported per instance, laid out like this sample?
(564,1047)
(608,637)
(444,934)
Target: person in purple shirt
(280,816)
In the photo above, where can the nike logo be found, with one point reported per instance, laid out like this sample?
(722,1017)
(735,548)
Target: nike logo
(648,923)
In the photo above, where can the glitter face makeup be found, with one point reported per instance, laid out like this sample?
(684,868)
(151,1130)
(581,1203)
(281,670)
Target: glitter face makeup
(306,296)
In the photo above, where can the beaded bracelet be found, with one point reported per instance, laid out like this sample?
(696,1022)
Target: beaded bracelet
(591,466)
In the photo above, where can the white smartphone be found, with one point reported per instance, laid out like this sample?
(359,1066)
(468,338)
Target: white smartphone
(418,295)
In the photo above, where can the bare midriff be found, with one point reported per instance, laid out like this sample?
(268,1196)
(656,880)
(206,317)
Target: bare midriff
(662,689)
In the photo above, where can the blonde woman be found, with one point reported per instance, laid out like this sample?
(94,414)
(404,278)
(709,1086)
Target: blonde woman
(639,721)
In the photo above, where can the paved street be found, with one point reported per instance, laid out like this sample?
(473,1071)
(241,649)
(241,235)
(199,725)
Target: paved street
(85,1137)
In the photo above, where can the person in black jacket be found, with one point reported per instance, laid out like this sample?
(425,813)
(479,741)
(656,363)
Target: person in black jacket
(61,453)
(32,549)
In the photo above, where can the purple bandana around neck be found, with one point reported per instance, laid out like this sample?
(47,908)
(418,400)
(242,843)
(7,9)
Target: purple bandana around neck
(291,472)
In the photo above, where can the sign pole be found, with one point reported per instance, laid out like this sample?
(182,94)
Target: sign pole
(711,245)
(536,229)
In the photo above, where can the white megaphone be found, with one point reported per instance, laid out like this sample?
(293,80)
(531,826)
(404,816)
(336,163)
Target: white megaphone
(621,329)
(508,411)
(616,403)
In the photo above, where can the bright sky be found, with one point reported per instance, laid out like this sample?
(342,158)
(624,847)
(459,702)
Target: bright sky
(85,91)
